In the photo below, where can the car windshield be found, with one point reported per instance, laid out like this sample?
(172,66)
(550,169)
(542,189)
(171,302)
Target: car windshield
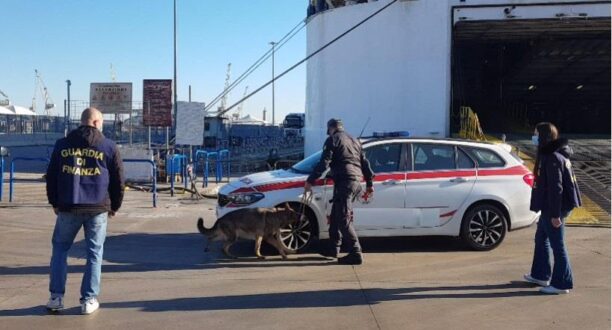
(307,165)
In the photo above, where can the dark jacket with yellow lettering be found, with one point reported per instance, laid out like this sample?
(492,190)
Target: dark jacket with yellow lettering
(85,173)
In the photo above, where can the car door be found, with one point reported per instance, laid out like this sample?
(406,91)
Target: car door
(385,210)
(441,179)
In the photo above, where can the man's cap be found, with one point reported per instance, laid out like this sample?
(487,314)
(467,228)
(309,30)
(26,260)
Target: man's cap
(335,123)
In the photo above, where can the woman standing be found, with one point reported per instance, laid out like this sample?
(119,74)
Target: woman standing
(555,193)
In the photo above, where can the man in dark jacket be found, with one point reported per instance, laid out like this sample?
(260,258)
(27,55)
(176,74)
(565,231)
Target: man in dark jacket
(84,185)
(343,154)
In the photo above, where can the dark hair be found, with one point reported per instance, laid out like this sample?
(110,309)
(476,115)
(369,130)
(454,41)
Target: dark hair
(547,132)
(335,123)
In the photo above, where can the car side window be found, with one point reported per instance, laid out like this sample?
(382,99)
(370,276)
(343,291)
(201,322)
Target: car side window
(486,158)
(463,160)
(431,157)
(384,157)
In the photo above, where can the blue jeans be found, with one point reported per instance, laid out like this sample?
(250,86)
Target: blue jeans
(548,237)
(66,228)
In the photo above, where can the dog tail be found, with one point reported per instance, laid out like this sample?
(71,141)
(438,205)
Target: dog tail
(204,230)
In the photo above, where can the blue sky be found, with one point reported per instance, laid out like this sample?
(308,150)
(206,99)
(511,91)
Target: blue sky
(79,39)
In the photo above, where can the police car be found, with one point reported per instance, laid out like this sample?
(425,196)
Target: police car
(444,187)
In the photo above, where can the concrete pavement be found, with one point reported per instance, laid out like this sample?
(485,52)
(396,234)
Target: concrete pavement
(157,275)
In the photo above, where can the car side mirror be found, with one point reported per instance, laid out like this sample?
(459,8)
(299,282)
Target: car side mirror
(4,152)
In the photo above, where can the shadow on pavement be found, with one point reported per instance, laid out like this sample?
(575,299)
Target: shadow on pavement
(313,299)
(412,244)
(141,252)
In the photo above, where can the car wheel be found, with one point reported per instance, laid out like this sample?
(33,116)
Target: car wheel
(484,227)
(300,236)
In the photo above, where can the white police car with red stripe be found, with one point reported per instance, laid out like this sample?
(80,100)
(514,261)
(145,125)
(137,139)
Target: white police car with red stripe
(444,187)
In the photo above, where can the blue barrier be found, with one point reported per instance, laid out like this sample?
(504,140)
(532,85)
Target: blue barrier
(209,154)
(154,168)
(172,167)
(199,153)
(12,176)
(1,176)
(218,158)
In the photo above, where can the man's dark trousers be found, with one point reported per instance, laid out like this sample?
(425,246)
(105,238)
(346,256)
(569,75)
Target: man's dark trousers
(341,220)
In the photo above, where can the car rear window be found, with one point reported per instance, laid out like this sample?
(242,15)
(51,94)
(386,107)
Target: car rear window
(486,158)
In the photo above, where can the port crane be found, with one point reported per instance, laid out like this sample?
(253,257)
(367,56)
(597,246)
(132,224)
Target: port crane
(6,100)
(221,108)
(40,86)
(238,112)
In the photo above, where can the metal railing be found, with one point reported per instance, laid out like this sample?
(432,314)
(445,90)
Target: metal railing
(172,169)
(220,156)
(1,176)
(12,175)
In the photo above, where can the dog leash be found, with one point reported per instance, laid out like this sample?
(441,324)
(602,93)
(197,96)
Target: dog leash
(306,199)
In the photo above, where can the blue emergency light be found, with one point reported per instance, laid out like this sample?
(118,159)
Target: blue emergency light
(392,134)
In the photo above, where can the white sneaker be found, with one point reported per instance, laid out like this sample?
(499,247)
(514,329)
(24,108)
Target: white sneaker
(530,279)
(89,306)
(55,304)
(552,290)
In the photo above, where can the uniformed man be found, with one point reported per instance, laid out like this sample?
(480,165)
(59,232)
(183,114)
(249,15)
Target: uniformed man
(343,154)
(85,186)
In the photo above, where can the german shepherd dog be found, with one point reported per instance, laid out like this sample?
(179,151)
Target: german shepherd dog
(252,223)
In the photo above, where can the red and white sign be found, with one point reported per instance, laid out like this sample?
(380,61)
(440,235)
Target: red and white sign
(157,102)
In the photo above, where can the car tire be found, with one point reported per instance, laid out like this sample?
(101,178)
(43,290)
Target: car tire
(302,236)
(484,227)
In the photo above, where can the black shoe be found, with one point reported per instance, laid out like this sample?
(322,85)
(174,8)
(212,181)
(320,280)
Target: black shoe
(354,258)
(329,253)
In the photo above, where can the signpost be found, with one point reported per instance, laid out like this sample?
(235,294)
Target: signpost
(157,101)
(190,123)
(111,98)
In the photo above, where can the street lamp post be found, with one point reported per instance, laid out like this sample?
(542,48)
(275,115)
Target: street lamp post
(175,84)
(273,80)
(67,121)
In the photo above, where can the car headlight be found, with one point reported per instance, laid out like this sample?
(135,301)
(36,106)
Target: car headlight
(246,198)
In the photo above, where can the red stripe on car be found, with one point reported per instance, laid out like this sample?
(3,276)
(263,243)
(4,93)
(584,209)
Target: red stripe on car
(244,190)
(280,186)
(516,170)
(449,214)
(438,175)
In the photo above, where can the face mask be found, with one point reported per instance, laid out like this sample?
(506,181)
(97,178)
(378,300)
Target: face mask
(535,140)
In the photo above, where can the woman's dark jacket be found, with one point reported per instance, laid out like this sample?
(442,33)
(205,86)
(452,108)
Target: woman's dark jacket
(555,190)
